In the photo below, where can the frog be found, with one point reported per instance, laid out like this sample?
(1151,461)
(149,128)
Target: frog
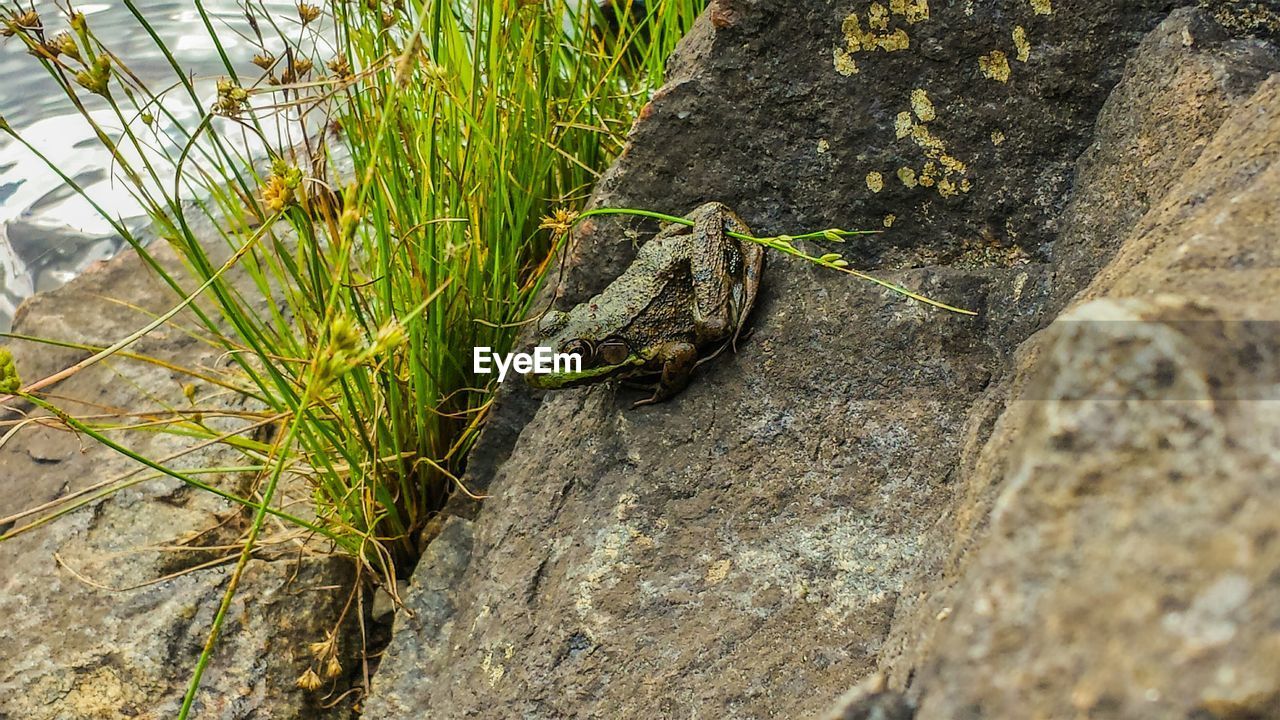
(681,302)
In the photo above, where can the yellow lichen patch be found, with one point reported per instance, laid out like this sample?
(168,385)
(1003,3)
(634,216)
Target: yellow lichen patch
(995,65)
(940,168)
(823,145)
(877,36)
(1021,43)
(889,220)
(1042,7)
(902,124)
(929,174)
(494,671)
(878,17)
(718,571)
(894,41)
(843,62)
(997,138)
(951,164)
(913,10)
(852,30)
(922,106)
(931,143)
(875,181)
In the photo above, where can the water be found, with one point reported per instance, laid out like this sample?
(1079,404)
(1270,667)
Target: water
(48,234)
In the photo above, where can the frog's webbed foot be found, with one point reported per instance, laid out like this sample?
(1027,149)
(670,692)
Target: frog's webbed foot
(678,360)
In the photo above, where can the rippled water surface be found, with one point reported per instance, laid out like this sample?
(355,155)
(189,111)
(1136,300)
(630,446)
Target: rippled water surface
(48,234)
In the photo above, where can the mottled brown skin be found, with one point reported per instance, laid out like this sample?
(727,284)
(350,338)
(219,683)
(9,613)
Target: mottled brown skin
(684,298)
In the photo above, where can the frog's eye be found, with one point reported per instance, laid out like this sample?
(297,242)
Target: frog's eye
(582,349)
(613,351)
(552,322)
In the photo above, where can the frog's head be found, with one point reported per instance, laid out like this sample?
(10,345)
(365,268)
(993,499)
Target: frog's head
(600,353)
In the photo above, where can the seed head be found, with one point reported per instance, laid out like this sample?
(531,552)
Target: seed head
(559,222)
(232,99)
(277,194)
(344,335)
(434,72)
(95,77)
(264,60)
(310,680)
(9,380)
(341,68)
(65,44)
(298,67)
(321,650)
(25,22)
(389,337)
(307,13)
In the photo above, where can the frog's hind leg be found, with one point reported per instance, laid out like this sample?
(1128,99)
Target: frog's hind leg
(726,274)
(713,260)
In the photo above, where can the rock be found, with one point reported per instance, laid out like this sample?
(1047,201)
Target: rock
(426,616)
(1259,19)
(810,114)
(1115,554)
(764,541)
(871,699)
(105,612)
(1186,77)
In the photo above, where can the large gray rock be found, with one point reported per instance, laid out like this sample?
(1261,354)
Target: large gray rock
(761,543)
(1115,553)
(105,610)
(1186,77)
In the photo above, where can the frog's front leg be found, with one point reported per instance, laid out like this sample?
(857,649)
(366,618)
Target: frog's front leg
(677,360)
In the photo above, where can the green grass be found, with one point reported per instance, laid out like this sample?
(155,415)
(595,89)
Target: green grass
(463,125)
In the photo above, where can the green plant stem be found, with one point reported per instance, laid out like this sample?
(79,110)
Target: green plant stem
(782,244)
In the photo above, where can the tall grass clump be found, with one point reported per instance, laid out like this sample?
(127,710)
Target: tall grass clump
(356,206)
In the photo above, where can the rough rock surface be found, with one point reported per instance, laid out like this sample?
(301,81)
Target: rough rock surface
(1186,77)
(814,507)
(105,610)
(1129,563)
